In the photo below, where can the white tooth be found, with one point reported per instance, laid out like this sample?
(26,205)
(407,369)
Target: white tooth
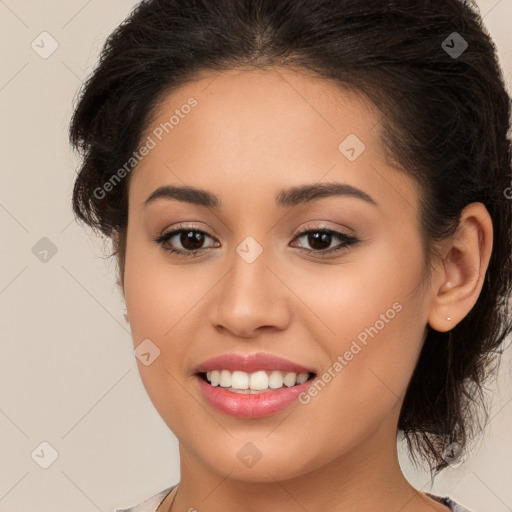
(215,377)
(302,377)
(240,380)
(275,381)
(225,379)
(259,380)
(289,379)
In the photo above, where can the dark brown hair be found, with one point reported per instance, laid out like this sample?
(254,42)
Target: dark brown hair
(428,65)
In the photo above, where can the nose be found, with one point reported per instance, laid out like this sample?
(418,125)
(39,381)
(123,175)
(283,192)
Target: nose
(250,298)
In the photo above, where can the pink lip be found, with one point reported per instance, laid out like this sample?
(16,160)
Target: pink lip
(251,406)
(251,363)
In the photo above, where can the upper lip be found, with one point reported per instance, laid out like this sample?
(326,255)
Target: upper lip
(251,363)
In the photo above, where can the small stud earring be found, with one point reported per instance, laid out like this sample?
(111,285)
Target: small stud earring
(448,318)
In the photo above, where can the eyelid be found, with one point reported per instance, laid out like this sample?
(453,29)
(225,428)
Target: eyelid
(324,227)
(167,234)
(346,240)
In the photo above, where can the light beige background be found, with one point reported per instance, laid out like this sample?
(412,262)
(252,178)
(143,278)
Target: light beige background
(68,376)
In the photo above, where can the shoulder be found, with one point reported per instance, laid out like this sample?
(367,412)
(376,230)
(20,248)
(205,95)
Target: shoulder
(150,504)
(455,506)
(452,505)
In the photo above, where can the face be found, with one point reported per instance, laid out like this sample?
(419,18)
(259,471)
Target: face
(348,304)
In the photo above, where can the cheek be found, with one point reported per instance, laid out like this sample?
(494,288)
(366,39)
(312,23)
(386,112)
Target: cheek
(153,288)
(365,289)
(370,325)
(160,301)
(164,303)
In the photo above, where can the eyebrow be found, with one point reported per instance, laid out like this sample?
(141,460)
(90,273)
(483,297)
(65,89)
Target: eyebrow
(288,197)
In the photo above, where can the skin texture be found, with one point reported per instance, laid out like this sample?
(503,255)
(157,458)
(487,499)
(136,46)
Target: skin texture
(251,134)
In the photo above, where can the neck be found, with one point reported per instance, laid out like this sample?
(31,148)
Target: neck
(364,479)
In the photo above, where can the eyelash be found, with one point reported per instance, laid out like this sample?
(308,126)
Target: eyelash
(346,241)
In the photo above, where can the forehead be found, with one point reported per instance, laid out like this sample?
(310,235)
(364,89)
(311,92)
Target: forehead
(267,128)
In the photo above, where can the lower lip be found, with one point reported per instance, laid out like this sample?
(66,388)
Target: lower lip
(255,405)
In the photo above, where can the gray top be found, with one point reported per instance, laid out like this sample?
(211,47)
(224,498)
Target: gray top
(151,504)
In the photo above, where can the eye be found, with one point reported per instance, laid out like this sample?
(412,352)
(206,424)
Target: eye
(191,240)
(320,239)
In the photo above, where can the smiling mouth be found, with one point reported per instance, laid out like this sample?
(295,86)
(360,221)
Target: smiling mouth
(262,381)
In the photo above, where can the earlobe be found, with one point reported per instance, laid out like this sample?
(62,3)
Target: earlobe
(463,268)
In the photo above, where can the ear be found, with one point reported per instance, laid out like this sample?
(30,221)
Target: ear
(465,263)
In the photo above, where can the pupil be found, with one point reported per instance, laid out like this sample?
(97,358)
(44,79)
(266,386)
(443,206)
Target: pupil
(192,237)
(194,240)
(314,238)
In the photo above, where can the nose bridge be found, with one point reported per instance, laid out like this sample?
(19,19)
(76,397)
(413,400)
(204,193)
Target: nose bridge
(250,296)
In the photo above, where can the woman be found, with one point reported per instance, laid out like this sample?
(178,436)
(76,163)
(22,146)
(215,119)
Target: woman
(308,201)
